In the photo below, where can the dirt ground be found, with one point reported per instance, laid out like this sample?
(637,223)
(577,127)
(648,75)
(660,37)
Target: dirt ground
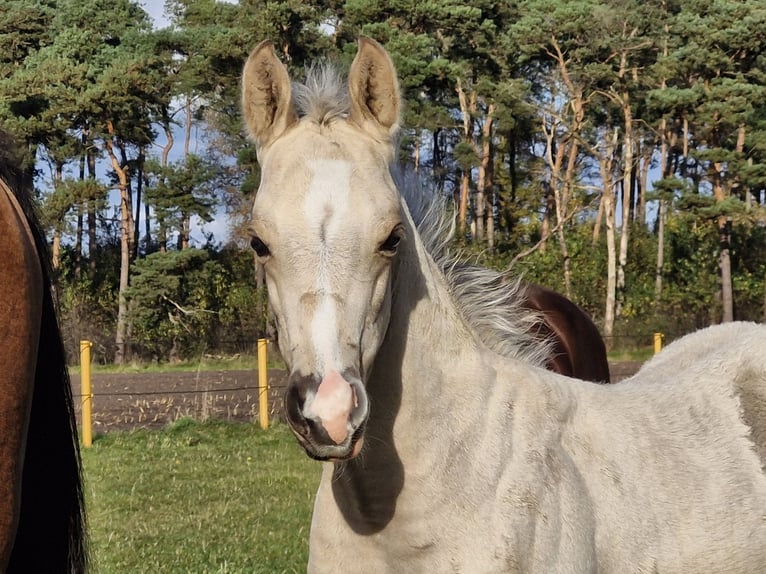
(126,401)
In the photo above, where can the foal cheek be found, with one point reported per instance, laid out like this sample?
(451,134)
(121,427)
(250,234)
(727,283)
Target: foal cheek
(280,322)
(377,321)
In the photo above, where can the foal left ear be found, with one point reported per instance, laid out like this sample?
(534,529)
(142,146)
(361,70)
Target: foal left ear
(374,90)
(266,95)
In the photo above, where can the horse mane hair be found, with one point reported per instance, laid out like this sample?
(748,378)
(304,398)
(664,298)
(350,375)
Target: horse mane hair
(491,302)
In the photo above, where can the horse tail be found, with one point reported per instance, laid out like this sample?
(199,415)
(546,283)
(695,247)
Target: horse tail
(51,534)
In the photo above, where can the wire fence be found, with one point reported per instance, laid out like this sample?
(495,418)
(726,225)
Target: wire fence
(175,392)
(155,398)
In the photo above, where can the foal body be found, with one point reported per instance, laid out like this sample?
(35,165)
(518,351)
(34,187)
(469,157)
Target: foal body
(444,454)
(572,477)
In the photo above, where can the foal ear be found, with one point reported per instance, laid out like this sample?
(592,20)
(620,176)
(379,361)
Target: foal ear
(374,90)
(266,97)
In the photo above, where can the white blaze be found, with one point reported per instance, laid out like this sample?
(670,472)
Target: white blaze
(324,208)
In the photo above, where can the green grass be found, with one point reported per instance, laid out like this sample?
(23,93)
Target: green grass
(199,498)
(641,354)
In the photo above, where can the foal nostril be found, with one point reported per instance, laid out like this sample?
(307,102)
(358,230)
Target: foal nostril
(295,398)
(325,411)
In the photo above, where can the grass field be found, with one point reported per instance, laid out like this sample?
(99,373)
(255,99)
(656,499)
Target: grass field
(199,498)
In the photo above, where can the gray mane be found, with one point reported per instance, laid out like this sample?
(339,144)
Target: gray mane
(491,302)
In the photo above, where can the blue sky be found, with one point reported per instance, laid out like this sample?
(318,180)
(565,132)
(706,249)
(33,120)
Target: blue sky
(156,9)
(219,226)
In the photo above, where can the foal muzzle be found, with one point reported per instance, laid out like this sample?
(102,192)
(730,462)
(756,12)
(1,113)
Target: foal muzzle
(327,414)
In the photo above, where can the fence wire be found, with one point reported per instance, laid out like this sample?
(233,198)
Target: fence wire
(176,392)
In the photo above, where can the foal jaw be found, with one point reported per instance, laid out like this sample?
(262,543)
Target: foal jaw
(328,415)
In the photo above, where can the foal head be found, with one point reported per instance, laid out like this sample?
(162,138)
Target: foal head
(327,223)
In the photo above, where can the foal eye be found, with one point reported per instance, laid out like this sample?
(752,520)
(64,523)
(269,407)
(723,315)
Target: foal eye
(259,247)
(389,246)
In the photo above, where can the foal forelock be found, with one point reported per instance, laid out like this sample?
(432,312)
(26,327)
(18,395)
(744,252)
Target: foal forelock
(491,302)
(323,96)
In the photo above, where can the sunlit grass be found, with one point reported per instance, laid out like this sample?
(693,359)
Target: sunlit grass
(641,355)
(198,498)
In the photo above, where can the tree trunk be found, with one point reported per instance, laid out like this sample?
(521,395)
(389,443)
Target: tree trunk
(483,181)
(627,190)
(643,182)
(510,203)
(78,233)
(467,121)
(187,135)
(664,172)
(56,249)
(79,225)
(562,189)
(56,246)
(463,207)
(666,141)
(562,203)
(92,222)
(489,183)
(611,271)
(183,240)
(764,301)
(605,164)
(727,294)
(129,194)
(164,160)
(137,211)
(184,232)
(715,173)
(599,222)
(660,251)
(554,155)
(162,237)
(549,207)
(126,226)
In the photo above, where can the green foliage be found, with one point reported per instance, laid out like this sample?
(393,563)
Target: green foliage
(80,78)
(181,190)
(87,311)
(174,300)
(183,303)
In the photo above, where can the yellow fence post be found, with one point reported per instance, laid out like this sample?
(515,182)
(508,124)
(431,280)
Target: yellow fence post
(263,384)
(658,342)
(87,394)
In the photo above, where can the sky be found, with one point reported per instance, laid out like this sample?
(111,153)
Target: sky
(219,226)
(156,9)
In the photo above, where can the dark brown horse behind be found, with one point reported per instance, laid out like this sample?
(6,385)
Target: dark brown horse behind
(578,349)
(42,521)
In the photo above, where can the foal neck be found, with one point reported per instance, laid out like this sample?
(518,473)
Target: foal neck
(430,360)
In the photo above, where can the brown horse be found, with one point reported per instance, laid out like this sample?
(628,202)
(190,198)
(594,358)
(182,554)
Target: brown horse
(42,522)
(577,347)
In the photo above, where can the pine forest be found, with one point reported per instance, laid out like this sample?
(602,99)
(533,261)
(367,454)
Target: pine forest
(613,150)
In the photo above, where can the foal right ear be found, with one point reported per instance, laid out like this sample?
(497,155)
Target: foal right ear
(266,97)
(374,90)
